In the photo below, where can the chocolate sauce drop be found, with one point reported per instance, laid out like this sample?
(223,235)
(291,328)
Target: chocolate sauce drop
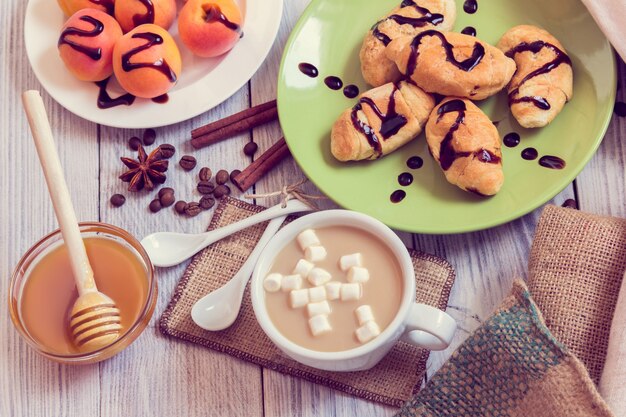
(405,179)
(570,203)
(159,65)
(427,18)
(332,82)
(469,30)
(162,99)
(530,154)
(552,162)
(351,91)
(511,139)
(108,5)
(106,102)
(447,153)
(467,65)
(535,47)
(397,196)
(147,17)
(414,162)
(308,69)
(620,108)
(470,6)
(98,27)
(391,122)
(214,14)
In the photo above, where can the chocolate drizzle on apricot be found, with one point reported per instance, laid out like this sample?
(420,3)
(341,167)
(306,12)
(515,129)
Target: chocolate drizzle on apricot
(391,122)
(466,65)
(535,47)
(426,18)
(159,65)
(107,4)
(214,14)
(147,17)
(98,27)
(447,153)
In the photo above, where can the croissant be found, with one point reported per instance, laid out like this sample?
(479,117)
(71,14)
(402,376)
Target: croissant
(452,64)
(466,145)
(410,18)
(544,79)
(384,119)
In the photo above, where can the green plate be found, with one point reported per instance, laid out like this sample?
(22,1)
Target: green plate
(329,36)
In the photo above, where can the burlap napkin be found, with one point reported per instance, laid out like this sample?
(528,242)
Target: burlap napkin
(511,366)
(392,381)
(575,270)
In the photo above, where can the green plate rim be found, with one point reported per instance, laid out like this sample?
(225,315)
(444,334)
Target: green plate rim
(474,227)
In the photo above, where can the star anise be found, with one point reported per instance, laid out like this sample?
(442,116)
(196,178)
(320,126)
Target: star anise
(145,171)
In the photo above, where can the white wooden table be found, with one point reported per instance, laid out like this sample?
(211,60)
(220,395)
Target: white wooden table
(157,376)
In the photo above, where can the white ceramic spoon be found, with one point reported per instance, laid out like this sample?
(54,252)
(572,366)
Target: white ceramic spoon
(168,248)
(218,309)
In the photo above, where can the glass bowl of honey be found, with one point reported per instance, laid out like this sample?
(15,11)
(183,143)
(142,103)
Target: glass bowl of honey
(42,291)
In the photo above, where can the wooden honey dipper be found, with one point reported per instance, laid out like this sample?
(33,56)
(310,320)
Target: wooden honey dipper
(95,320)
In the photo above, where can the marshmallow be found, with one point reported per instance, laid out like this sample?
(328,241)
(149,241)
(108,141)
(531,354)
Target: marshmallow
(272,282)
(364,314)
(319,325)
(292,282)
(349,292)
(315,253)
(348,261)
(299,298)
(318,276)
(358,274)
(367,332)
(303,267)
(333,290)
(317,294)
(318,309)
(307,238)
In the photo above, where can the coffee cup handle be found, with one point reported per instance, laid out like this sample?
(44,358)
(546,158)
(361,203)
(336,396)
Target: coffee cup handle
(428,327)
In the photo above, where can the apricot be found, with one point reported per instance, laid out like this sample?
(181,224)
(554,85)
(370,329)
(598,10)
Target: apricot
(70,7)
(210,27)
(86,44)
(132,13)
(146,61)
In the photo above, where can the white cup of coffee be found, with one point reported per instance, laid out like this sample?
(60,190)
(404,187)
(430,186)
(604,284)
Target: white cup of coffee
(415,323)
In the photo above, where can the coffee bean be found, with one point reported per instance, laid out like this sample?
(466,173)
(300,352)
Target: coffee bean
(149,136)
(250,148)
(134,143)
(117,200)
(167,150)
(207,202)
(193,209)
(221,177)
(205,187)
(167,199)
(205,174)
(221,191)
(165,190)
(187,162)
(180,207)
(155,205)
(233,174)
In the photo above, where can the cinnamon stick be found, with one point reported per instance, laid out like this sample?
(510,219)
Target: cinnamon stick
(233,125)
(257,169)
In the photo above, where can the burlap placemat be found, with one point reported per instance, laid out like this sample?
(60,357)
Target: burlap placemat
(391,382)
(511,366)
(576,265)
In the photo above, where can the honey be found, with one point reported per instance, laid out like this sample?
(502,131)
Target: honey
(49,291)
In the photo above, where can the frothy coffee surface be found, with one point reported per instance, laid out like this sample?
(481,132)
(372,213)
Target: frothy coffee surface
(382,292)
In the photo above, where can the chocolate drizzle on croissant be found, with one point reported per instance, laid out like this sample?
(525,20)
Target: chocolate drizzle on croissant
(447,154)
(535,47)
(391,122)
(426,18)
(466,65)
